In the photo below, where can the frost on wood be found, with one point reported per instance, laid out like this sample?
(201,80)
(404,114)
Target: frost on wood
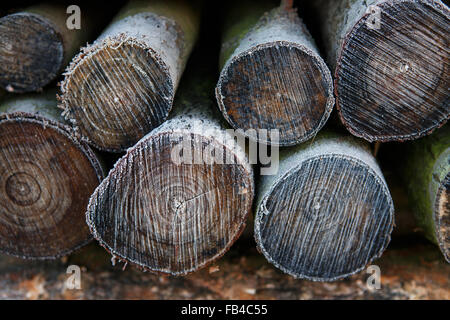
(171,217)
(275,79)
(327,214)
(36,45)
(47,176)
(391,61)
(122,86)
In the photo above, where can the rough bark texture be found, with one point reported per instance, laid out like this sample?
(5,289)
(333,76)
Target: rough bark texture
(391,60)
(427,177)
(46,178)
(172,216)
(36,45)
(273,76)
(327,213)
(122,86)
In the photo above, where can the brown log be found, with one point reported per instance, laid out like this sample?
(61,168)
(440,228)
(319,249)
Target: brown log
(272,74)
(46,178)
(176,216)
(391,61)
(37,45)
(327,213)
(122,86)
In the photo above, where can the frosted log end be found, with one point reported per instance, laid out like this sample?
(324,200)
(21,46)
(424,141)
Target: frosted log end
(278,85)
(326,219)
(169,217)
(393,72)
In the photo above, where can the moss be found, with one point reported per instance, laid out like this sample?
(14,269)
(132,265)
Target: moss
(239,21)
(418,172)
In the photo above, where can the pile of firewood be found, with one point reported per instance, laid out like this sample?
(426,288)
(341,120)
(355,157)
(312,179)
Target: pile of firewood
(163,149)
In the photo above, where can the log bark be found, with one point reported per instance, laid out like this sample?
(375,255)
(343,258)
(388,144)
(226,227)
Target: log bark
(427,178)
(272,74)
(176,216)
(391,62)
(37,45)
(327,213)
(122,86)
(46,177)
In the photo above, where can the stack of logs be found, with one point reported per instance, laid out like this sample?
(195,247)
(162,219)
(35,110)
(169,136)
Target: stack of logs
(192,166)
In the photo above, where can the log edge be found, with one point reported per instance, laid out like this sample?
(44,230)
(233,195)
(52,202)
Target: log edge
(262,211)
(60,54)
(116,170)
(81,145)
(319,64)
(350,33)
(87,53)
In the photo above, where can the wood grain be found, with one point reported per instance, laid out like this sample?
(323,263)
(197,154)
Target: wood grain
(122,86)
(46,178)
(273,76)
(391,79)
(327,214)
(175,217)
(36,45)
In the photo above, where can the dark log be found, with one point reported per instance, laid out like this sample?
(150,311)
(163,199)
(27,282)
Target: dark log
(176,216)
(36,45)
(426,172)
(406,227)
(122,86)
(272,74)
(46,178)
(391,61)
(327,213)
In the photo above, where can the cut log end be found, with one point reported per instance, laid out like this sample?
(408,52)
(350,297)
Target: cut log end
(166,217)
(46,179)
(442,217)
(325,220)
(31,52)
(117,93)
(393,73)
(277,85)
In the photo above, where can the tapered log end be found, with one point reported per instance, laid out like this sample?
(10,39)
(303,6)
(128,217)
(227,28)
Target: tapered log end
(116,92)
(277,85)
(393,73)
(325,220)
(442,217)
(167,217)
(31,52)
(46,178)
